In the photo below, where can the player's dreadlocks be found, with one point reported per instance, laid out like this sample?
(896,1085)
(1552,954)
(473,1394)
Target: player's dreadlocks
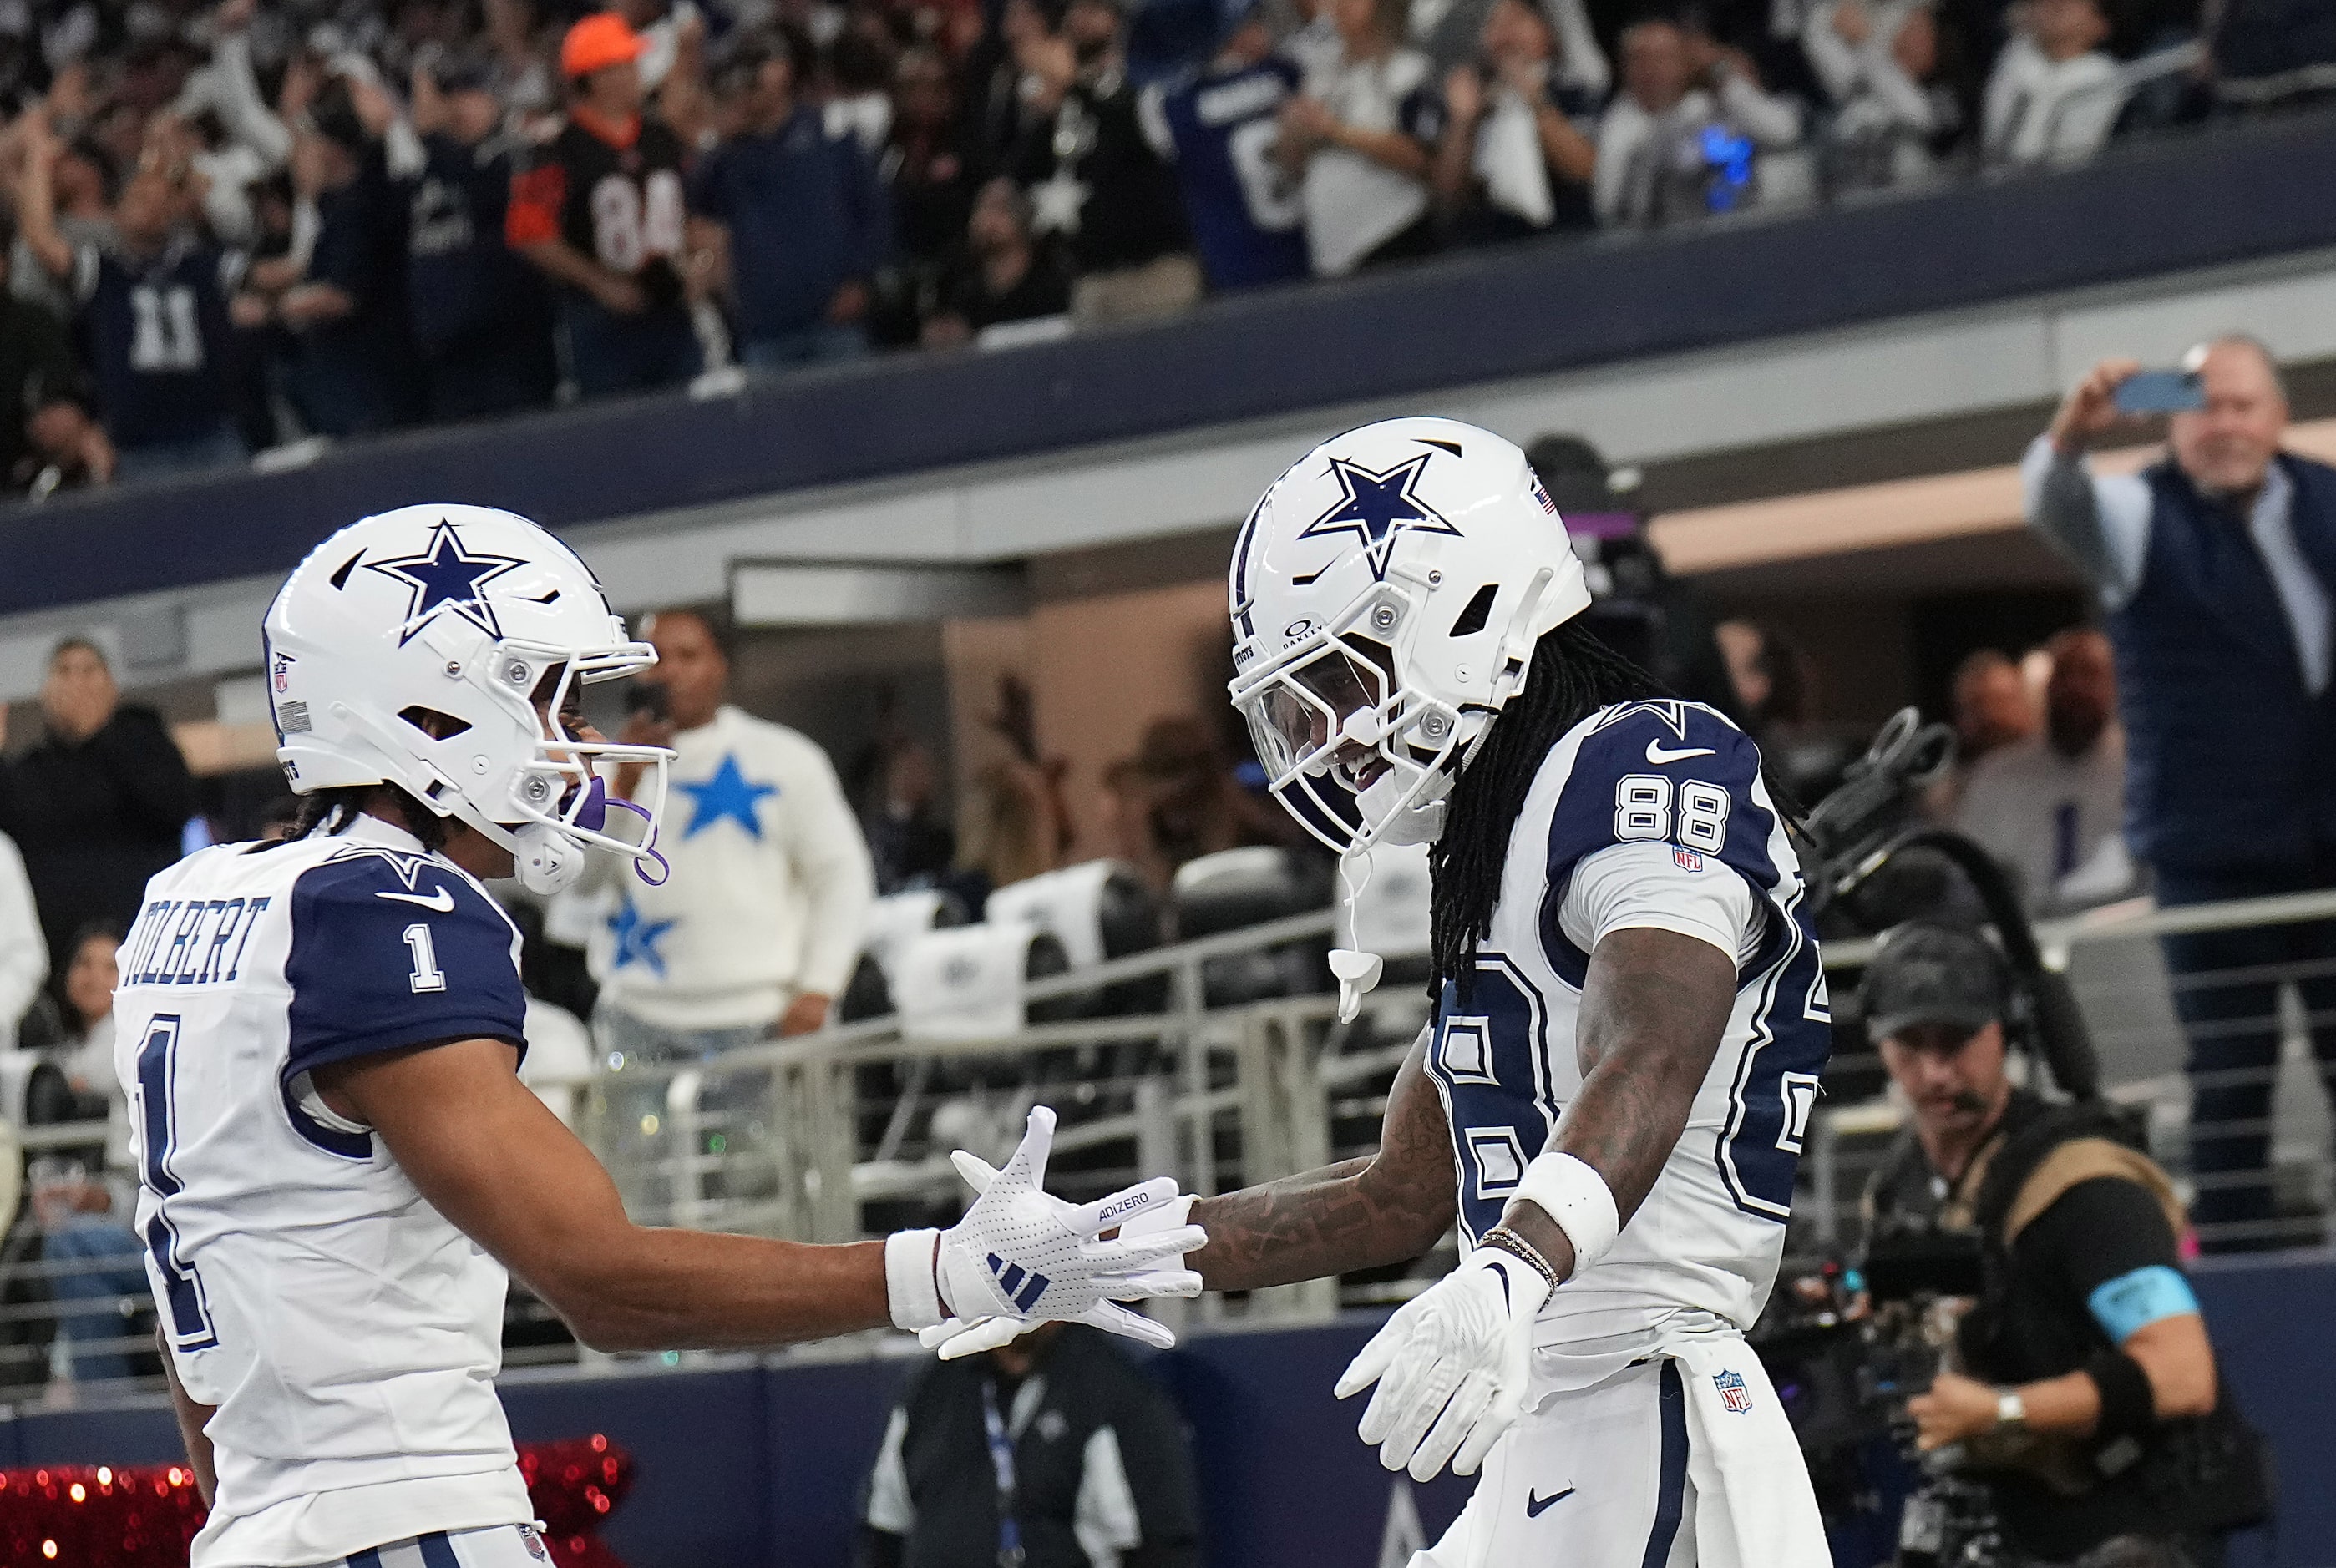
(1572,675)
(336,810)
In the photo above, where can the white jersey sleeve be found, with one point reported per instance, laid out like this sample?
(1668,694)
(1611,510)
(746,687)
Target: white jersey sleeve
(1660,886)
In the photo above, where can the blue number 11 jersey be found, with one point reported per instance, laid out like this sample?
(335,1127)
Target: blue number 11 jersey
(1645,814)
(348,1333)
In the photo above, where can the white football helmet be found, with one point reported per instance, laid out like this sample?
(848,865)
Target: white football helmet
(1387,595)
(412,648)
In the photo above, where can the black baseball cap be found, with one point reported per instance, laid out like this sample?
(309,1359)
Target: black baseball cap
(1929,972)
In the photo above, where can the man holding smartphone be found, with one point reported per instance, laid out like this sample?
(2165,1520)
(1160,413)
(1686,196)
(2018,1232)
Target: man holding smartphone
(2217,568)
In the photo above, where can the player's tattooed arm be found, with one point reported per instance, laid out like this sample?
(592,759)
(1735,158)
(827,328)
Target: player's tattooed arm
(1654,1006)
(1360,1214)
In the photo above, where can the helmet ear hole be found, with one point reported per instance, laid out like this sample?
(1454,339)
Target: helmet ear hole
(1476,612)
(438,726)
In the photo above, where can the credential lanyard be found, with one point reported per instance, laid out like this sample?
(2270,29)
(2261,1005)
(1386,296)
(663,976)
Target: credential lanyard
(1001,1465)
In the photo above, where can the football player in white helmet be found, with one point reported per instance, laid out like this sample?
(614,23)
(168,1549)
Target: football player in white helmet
(338,1161)
(1630,1019)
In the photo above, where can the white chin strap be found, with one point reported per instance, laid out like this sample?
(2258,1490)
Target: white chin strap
(1357,971)
(549,862)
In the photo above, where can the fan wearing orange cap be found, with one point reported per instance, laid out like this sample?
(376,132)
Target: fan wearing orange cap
(601,210)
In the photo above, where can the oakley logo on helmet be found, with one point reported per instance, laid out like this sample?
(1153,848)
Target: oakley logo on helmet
(1378,508)
(446,576)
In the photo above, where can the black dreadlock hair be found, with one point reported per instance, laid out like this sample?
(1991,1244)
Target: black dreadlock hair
(1573,675)
(336,810)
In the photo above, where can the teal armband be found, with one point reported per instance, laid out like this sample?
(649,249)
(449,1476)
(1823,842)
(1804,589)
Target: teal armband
(2132,1301)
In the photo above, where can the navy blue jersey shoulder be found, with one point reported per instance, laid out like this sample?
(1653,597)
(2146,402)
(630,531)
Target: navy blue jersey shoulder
(1670,772)
(392,949)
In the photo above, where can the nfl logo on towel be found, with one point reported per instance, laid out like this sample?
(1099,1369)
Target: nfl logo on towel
(1732,1392)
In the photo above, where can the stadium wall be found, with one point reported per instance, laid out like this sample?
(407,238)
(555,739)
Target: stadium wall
(751,1464)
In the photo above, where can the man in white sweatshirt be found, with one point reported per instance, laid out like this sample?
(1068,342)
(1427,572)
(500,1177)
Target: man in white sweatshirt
(757,929)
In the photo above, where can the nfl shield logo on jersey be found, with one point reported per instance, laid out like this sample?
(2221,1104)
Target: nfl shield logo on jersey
(535,1548)
(1732,1392)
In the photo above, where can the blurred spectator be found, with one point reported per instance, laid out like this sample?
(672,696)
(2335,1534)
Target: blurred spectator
(601,211)
(909,842)
(1684,137)
(2217,566)
(85,1206)
(344,302)
(1994,706)
(24,950)
(1000,275)
(1052,1452)
(97,805)
(481,317)
(79,177)
(2055,92)
(249,141)
(1219,126)
(933,164)
(45,432)
(1008,829)
(152,301)
(791,212)
(860,64)
(757,928)
(1893,113)
(1194,804)
(1766,675)
(1515,160)
(1095,179)
(1360,135)
(2051,805)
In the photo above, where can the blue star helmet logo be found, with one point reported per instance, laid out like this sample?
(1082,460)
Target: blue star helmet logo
(1379,508)
(446,576)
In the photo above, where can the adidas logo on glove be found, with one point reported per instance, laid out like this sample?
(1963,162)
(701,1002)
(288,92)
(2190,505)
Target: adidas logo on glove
(1022,1287)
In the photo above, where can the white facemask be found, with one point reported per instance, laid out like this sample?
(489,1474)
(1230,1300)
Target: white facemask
(1395,821)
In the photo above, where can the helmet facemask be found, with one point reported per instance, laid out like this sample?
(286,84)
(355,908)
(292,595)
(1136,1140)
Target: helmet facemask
(551,804)
(1356,754)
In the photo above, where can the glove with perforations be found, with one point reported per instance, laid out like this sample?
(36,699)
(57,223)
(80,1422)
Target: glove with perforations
(1021,1256)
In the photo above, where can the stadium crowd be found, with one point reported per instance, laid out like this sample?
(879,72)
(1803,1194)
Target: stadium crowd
(240,227)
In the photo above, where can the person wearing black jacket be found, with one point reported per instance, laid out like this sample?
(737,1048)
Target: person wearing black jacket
(2082,1387)
(1053,1452)
(97,806)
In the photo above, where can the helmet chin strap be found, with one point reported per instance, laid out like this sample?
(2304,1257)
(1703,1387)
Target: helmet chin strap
(1357,971)
(549,862)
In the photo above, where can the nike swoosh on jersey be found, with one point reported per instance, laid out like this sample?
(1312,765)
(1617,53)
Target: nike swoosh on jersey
(1659,754)
(441,902)
(1536,1505)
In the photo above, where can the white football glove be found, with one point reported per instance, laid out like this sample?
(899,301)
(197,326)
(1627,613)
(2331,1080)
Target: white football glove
(1021,1256)
(1451,1366)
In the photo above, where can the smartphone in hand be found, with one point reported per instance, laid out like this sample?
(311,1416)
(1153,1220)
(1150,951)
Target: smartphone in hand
(2161,391)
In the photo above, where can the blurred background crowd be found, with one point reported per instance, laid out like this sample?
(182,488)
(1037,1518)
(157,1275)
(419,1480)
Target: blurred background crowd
(233,229)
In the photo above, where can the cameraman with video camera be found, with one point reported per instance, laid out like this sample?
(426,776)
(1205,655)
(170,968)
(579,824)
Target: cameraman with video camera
(2082,1387)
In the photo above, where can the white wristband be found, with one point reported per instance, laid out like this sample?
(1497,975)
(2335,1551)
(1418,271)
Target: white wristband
(909,1289)
(1574,1194)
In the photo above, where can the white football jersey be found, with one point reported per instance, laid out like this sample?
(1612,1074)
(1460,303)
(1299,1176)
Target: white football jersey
(1702,1251)
(348,1332)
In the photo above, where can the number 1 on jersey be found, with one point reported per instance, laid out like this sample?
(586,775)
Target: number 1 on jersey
(190,1324)
(427,975)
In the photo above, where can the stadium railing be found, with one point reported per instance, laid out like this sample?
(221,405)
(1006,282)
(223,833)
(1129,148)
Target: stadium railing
(846,1133)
